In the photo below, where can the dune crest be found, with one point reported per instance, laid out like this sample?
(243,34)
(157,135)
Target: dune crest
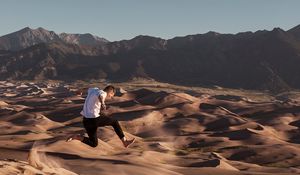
(178,131)
(38,159)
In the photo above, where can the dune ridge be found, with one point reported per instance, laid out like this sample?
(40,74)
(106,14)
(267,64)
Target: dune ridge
(178,132)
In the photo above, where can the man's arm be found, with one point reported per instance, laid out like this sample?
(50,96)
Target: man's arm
(102,101)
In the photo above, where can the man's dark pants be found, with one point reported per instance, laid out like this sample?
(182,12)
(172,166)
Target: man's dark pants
(91,125)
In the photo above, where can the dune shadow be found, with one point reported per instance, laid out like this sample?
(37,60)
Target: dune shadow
(208,163)
(130,115)
(73,157)
(124,104)
(63,115)
(234,135)
(242,155)
(228,97)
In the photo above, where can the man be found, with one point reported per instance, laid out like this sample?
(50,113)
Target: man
(92,117)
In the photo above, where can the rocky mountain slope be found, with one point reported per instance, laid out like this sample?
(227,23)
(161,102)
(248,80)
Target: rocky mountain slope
(251,60)
(29,37)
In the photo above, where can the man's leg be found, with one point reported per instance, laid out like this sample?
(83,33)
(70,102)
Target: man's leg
(109,121)
(91,129)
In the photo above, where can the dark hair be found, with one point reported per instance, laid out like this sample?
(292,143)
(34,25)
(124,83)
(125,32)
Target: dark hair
(109,88)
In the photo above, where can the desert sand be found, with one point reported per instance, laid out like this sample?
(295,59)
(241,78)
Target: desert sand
(178,131)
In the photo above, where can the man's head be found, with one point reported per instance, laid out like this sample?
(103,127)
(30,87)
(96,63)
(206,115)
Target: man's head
(110,90)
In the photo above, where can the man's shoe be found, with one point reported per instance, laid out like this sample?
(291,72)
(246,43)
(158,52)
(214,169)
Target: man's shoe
(75,137)
(127,143)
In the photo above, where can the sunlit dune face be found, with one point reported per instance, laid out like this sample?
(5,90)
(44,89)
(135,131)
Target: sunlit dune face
(179,130)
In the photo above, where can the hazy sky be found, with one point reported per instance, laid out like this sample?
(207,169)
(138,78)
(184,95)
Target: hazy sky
(125,19)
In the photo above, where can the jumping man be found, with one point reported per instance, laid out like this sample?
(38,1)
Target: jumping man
(92,117)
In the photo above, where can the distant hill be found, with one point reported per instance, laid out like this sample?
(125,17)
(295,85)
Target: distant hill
(28,37)
(82,39)
(251,60)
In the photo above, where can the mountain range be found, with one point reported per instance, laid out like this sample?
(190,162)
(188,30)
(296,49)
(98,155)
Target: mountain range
(28,37)
(264,60)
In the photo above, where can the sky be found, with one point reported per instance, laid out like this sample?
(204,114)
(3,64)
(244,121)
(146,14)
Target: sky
(124,19)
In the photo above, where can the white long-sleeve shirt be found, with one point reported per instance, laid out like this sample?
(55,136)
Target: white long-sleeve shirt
(92,104)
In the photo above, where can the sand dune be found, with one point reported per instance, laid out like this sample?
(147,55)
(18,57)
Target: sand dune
(177,132)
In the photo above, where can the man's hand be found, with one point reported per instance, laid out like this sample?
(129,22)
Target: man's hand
(79,93)
(103,106)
